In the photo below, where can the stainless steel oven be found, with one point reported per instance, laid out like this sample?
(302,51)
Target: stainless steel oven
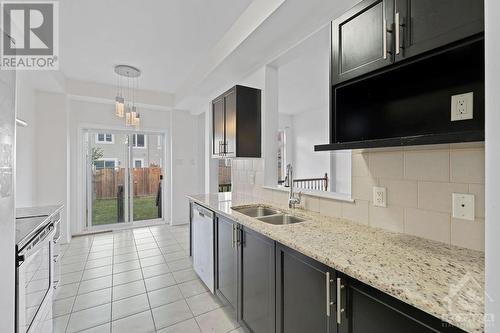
(34,278)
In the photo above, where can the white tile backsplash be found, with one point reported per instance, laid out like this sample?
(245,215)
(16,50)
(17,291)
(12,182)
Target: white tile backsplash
(467,165)
(419,182)
(428,165)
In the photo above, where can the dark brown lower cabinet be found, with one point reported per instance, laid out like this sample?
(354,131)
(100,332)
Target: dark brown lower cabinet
(227,261)
(305,294)
(257,283)
(365,309)
(274,289)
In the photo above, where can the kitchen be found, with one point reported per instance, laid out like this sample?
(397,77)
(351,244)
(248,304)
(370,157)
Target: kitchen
(361,149)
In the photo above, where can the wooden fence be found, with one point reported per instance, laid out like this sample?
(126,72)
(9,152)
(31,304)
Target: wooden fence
(106,181)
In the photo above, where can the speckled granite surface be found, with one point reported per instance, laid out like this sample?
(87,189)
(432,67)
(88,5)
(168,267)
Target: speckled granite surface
(442,280)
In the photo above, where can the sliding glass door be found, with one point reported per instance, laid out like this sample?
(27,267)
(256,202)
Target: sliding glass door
(123,176)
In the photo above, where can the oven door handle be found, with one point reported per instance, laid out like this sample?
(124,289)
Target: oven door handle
(21,257)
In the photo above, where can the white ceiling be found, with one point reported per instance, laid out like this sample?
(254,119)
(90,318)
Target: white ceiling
(164,38)
(303,75)
(291,23)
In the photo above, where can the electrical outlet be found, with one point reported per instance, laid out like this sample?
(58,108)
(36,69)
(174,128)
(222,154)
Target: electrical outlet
(463,206)
(380,196)
(462,106)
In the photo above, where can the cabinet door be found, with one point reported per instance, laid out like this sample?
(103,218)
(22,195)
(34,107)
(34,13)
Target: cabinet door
(302,294)
(218,126)
(230,109)
(427,24)
(257,271)
(227,262)
(362,40)
(366,309)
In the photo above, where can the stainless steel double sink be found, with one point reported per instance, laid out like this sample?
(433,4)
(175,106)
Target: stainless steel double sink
(268,215)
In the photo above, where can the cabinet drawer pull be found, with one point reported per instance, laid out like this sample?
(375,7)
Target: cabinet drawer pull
(340,310)
(329,303)
(384,38)
(232,237)
(396,27)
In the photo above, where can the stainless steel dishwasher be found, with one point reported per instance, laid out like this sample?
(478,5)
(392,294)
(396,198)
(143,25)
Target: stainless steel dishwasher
(203,245)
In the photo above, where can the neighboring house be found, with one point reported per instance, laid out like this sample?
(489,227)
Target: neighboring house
(146,150)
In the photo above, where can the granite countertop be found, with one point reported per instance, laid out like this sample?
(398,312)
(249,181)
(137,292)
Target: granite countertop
(30,220)
(442,280)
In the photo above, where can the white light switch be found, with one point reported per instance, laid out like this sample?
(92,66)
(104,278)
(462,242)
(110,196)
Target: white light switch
(380,196)
(463,206)
(462,106)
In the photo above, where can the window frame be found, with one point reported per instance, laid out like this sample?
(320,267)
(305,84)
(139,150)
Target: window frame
(105,142)
(134,141)
(140,160)
(107,159)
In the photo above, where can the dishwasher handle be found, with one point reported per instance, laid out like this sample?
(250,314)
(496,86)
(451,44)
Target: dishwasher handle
(203,212)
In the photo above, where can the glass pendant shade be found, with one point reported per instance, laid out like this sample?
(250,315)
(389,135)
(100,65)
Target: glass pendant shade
(137,120)
(128,118)
(119,106)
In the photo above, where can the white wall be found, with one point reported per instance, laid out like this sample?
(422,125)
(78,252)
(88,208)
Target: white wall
(184,161)
(492,162)
(26,140)
(51,154)
(310,128)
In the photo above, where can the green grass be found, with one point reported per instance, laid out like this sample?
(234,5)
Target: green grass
(104,211)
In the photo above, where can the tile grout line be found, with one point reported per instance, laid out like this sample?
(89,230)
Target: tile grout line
(144,282)
(112,285)
(77,289)
(171,234)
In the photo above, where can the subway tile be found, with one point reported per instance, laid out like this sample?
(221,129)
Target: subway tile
(479,199)
(356,212)
(330,207)
(438,196)
(402,193)
(362,187)
(467,166)
(310,203)
(469,234)
(427,224)
(388,218)
(359,165)
(427,165)
(387,164)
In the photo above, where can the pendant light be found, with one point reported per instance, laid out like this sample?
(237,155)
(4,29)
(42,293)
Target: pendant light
(119,100)
(127,108)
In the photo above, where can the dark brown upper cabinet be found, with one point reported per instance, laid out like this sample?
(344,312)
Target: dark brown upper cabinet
(361,39)
(397,66)
(236,123)
(378,33)
(424,25)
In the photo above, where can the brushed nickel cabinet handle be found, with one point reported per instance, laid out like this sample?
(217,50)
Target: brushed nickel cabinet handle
(340,310)
(397,27)
(384,38)
(328,294)
(233,242)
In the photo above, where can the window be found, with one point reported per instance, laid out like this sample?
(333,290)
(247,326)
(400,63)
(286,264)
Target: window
(139,141)
(138,162)
(106,164)
(104,138)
